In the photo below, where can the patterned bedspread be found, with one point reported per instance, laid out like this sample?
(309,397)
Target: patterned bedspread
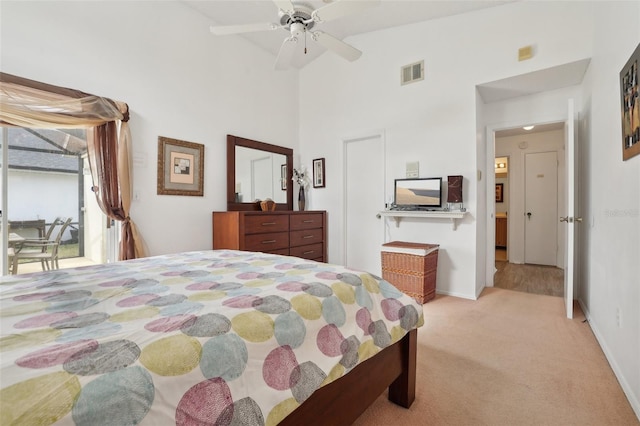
(211,337)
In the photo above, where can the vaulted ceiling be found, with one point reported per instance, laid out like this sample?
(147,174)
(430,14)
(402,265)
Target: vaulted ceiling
(384,14)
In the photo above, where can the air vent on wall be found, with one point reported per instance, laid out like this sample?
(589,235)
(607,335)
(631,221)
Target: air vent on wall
(412,73)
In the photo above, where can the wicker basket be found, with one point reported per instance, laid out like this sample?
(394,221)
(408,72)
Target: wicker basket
(412,268)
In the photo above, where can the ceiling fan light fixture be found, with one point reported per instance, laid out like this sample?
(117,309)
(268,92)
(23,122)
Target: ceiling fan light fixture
(297,28)
(300,18)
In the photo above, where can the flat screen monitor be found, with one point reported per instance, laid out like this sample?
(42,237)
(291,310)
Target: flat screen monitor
(418,192)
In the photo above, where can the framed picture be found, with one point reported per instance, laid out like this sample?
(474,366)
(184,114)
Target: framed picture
(283,177)
(499,192)
(180,167)
(630,98)
(318,173)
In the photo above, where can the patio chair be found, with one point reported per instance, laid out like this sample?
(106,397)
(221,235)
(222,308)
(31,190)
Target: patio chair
(45,250)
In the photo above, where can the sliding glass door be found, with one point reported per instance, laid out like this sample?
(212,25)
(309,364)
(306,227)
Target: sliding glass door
(45,177)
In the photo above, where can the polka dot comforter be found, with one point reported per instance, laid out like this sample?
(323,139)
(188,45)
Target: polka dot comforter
(212,337)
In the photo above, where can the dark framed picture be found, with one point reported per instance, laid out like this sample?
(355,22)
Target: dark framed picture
(283,177)
(180,167)
(630,98)
(318,173)
(499,192)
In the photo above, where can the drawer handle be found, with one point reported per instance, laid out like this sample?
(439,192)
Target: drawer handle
(268,241)
(307,237)
(268,223)
(309,252)
(308,221)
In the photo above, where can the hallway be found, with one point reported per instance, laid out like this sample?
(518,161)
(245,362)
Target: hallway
(536,279)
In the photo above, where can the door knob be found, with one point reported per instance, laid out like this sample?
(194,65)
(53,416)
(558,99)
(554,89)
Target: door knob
(564,219)
(529,215)
(578,219)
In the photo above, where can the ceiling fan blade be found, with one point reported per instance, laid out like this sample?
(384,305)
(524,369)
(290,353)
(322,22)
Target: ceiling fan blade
(285,5)
(243,28)
(286,53)
(339,47)
(341,8)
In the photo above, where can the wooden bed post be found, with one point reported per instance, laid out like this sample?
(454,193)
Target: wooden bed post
(403,390)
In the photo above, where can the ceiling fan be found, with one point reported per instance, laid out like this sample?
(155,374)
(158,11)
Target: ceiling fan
(298,19)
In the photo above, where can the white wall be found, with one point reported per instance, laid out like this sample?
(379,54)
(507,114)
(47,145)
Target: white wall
(503,207)
(42,195)
(179,81)
(611,201)
(433,121)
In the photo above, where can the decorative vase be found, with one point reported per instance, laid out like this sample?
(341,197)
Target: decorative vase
(301,199)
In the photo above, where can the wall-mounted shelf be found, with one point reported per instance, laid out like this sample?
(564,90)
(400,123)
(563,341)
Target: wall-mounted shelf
(397,215)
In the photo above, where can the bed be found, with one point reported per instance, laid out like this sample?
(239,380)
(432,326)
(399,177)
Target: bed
(208,337)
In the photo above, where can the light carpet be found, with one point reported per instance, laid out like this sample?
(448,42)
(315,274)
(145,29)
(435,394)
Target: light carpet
(508,358)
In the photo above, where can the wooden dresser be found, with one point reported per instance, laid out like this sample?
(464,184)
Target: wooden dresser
(292,233)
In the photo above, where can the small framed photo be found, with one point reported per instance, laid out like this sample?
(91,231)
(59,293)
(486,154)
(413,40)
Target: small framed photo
(283,177)
(630,98)
(499,193)
(180,167)
(318,173)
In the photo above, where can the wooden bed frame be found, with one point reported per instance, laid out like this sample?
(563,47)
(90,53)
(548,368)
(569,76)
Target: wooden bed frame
(341,402)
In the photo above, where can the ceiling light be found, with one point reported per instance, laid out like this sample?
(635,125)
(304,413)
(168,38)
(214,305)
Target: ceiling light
(528,127)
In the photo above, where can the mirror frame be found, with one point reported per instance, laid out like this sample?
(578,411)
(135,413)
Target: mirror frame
(232,142)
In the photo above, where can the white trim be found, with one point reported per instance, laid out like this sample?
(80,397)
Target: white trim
(626,388)
(456,294)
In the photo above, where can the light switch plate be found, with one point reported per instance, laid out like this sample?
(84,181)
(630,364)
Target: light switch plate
(413,169)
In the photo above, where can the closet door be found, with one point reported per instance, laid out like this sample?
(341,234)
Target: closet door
(364,198)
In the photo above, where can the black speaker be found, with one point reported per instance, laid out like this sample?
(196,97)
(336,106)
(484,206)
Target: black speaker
(454,189)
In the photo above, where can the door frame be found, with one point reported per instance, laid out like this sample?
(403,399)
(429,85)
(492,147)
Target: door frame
(490,180)
(373,134)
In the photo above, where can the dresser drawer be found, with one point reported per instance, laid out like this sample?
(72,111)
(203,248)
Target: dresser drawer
(266,223)
(300,234)
(305,237)
(306,221)
(311,251)
(282,252)
(266,242)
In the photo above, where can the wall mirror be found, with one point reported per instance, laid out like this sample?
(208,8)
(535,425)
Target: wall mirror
(257,171)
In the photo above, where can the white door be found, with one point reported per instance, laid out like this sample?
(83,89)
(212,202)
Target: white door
(570,220)
(261,188)
(364,198)
(541,208)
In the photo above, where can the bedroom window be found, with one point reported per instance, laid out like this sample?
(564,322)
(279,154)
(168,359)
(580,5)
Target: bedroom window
(29,104)
(47,177)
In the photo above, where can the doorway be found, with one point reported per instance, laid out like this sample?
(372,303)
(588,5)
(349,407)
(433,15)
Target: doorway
(45,183)
(529,191)
(502,208)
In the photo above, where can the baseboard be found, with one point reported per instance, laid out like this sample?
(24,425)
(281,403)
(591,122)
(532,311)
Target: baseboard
(628,391)
(480,290)
(454,294)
